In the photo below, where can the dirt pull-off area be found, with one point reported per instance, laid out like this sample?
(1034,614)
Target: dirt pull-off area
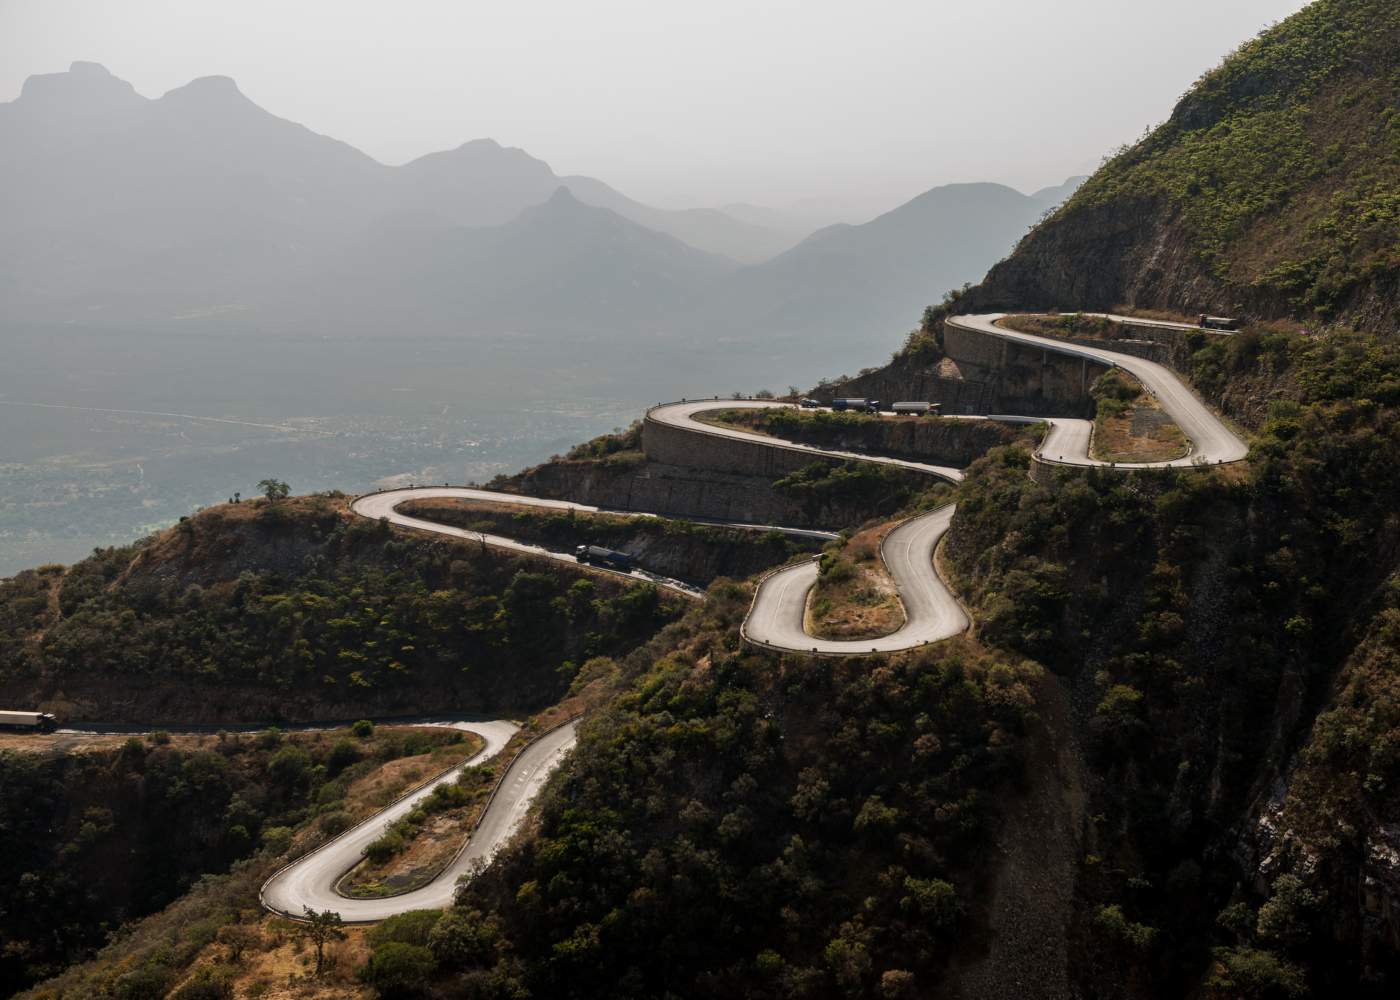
(855,597)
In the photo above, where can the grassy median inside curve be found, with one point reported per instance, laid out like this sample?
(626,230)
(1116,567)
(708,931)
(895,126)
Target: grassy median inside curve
(855,596)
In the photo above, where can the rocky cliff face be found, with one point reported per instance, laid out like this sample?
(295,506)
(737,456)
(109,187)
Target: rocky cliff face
(678,491)
(1272,191)
(1097,257)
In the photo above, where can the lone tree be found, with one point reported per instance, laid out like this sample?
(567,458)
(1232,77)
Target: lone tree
(238,938)
(274,489)
(320,929)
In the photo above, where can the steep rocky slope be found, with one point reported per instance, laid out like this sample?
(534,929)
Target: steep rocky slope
(298,610)
(1272,190)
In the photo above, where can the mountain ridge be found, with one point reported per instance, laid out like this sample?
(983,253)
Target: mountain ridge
(203,210)
(1272,190)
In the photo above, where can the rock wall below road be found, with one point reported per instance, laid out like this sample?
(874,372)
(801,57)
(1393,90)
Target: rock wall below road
(678,491)
(670,445)
(938,440)
(1025,380)
(977,373)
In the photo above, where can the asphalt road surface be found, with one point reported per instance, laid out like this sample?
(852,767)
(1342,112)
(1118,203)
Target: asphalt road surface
(384,505)
(1212,442)
(775,620)
(312,880)
(931,611)
(683,415)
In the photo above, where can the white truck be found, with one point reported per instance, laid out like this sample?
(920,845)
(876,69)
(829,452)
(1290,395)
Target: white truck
(29,722)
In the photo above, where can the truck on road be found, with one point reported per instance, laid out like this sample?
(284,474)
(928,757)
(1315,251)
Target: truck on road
(917,409)
(1217,322)
(856,405)
(29,722)
(599,556)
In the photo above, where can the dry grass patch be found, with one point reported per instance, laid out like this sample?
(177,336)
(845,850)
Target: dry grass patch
(1131,425)
(373,792)
(855,597)
(417,848)
(277,963)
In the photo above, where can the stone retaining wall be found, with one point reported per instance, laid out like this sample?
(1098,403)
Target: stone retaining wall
(955,395)
(676,491)
(770,460)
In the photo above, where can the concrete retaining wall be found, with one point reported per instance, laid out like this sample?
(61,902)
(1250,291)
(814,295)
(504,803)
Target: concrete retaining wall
(679,492)
(718,453)
(954,395)
(973,348)
(1033,381)
(1043,473)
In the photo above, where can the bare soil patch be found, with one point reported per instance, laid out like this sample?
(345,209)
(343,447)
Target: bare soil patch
(855,596)
(1135,429)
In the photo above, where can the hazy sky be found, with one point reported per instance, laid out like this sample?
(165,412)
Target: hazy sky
(700,102)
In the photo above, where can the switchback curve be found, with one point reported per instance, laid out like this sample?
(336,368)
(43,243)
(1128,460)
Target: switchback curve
(312,879)
(775,620)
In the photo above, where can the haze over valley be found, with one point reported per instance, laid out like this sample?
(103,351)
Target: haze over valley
(615,501)
(462,315)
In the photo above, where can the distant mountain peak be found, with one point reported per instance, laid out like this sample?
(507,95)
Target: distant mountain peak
(485,142)
(563,206)
(82,80)
(209,88)
(80,67)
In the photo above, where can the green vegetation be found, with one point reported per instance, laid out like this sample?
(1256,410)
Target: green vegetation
(1196,615)
(619,446)
(683,549)
(460,801)
(92,840)
(796,425)
(401,963)
(359,615)
(737,824)
(274,489)
(878,489)
(854,597)
(1072,325)
(1130,426)
(321,929)
(924,438)
(1284,163)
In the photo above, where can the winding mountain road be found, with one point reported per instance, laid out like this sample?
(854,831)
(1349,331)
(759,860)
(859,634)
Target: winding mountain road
(775,620)
(384,506)
(1212,442)
(683,415)
(931,611)
(312,880)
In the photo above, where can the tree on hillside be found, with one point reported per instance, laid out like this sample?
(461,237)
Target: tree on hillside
(238,938)
(274,489)
(320,929)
